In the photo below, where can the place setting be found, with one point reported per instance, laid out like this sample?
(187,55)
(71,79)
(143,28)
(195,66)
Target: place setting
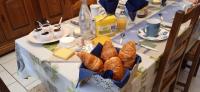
(153,31)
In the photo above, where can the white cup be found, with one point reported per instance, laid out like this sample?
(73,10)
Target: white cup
(95,9)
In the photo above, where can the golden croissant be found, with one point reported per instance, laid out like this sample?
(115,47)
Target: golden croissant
(108,51)
(116,66)
(127,54)
(91,62)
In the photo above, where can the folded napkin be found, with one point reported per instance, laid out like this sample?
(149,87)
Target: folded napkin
(110,6)
(132,6)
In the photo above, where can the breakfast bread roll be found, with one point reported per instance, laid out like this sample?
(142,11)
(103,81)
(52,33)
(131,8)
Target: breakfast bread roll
(91,62)
(116,66)
(128,54)
(108,51)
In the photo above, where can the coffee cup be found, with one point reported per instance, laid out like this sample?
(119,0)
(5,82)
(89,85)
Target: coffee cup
(153,27)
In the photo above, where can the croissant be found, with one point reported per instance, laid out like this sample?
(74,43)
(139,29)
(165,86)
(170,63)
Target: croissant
(127,54)
(116,66)
(91,62)
(108,51)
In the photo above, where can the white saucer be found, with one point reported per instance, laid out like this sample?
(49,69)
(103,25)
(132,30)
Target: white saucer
(166,24)
(162,35)
(33,39)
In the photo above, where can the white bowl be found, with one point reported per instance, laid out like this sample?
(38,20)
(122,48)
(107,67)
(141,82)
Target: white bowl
(46,37)
(58,34)
(67,42)
(36,33)
(48,28)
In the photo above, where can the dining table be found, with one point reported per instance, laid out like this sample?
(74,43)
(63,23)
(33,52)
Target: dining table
(59,75)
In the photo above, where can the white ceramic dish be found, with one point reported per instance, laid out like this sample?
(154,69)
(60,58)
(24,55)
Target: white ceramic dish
(67,42)
(46,37)
(166,24)
(162,35)
(33,39)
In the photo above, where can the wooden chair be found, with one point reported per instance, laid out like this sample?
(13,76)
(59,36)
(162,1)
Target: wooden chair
(76,4)
(171,60)
(192,55)
(3,87)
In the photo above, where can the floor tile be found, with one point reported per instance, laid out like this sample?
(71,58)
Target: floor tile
(183,76)
(7,78)
(8,57)
(24,82)
(1,68)
(37,86)
(198,73)
(34,84)
(194,87)
(11,66)
(16,87)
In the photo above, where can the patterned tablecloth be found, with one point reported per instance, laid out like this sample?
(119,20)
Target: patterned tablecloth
(61,76)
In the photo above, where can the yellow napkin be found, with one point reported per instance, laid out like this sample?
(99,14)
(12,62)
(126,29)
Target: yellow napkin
(63,53)
(100,39)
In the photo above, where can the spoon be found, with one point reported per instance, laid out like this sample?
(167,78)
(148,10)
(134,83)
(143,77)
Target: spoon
(60,20)
(40,24)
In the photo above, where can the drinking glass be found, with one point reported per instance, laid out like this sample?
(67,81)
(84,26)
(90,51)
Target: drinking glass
(122,22)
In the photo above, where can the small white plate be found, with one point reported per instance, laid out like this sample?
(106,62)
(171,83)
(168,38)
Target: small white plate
(162,35)
(32,39)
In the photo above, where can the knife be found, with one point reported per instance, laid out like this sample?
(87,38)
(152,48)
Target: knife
(147,47)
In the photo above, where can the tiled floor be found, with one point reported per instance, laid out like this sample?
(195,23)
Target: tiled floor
(8,73)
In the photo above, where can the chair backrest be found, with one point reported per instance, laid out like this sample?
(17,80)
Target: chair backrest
(76,5)
(172,57)
(195,36)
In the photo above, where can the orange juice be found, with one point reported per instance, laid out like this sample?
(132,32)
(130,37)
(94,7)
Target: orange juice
(121,23)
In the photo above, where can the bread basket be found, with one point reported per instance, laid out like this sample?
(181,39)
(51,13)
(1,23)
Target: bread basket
(104,80)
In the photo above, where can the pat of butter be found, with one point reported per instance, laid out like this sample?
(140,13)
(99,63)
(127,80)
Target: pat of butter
(63,53)
(100,39)
(156,1)
(66,40)
(106,24)
(77,31)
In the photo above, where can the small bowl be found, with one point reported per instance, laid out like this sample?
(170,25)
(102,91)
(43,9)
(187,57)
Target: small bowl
(58,33)
(46,36)
(37,32)
(57,26)
(47,28)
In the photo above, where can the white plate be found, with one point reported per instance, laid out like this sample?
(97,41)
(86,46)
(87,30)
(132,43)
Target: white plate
(32,39)
(162,35)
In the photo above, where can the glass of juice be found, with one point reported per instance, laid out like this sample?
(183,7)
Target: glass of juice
(122,23)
